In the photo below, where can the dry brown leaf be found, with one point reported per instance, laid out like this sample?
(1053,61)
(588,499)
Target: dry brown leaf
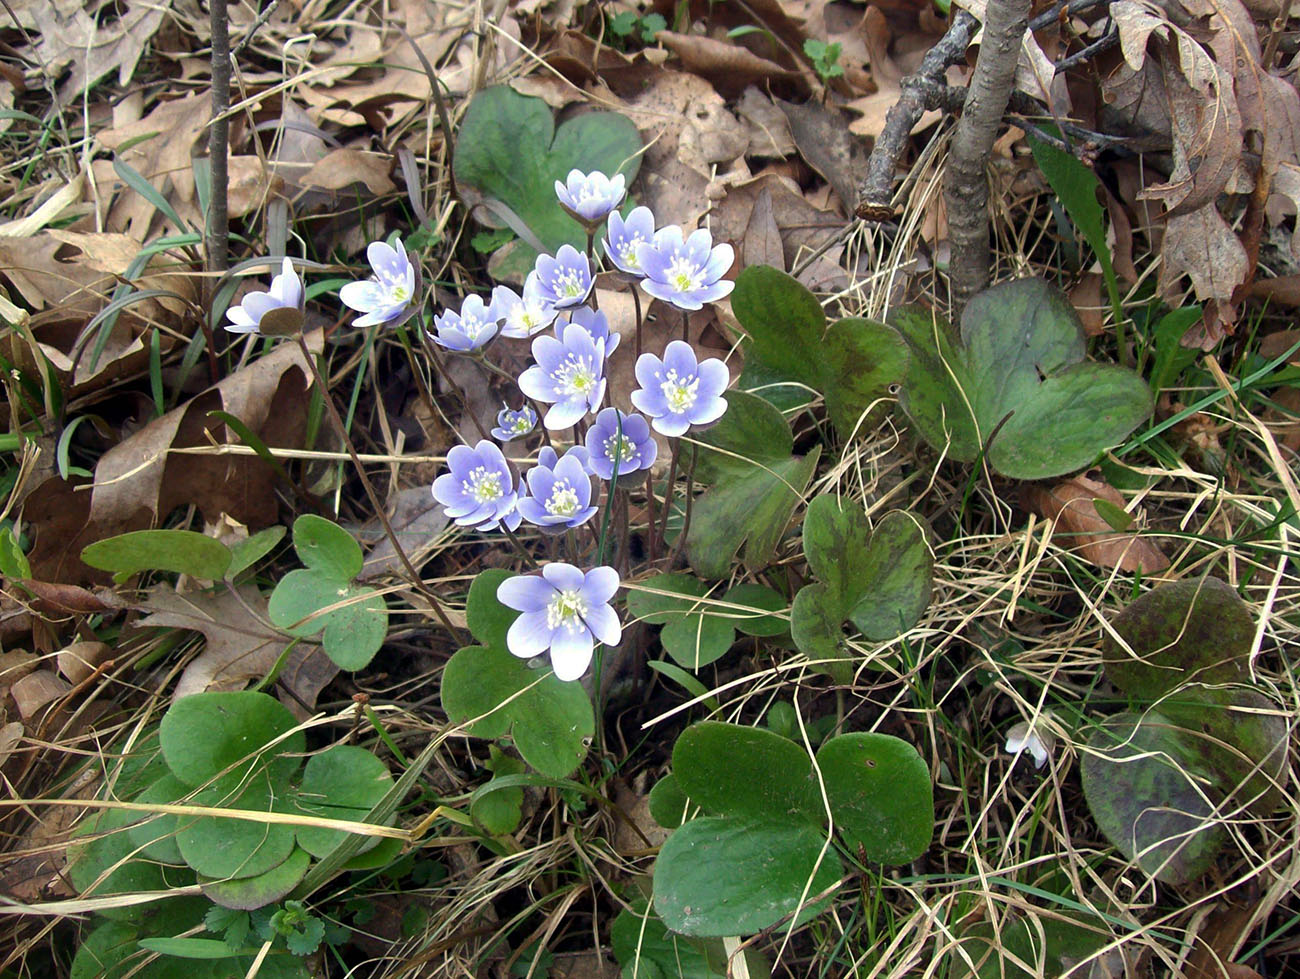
(10,736)
(417,519)
(14,665)
(250,185)
(239,647)
(762,242)
(1202,245)
(79,661)
(1080,528)
(37,690)
(769,132)
(71,35)
(822,135)
(161,149)
(1086,299)
(728,67)
(344,168)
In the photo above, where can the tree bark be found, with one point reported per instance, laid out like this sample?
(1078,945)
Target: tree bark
(966,189)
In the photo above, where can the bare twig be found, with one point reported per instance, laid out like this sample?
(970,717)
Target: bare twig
(876,193)
(966,187)
(217,237)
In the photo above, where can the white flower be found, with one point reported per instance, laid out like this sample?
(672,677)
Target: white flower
(1038,741)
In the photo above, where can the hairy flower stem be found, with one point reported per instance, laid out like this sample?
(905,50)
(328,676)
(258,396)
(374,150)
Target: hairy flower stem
(375,503)
(636,302)
(651,542)
(686,326)
(690,499)
(432,353)
(519,546)
(668,494)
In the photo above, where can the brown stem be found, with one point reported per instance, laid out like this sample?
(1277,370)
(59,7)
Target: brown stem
(966,188)
(375,503)
(651,543)
(690,499)
(217,239)
(636,301)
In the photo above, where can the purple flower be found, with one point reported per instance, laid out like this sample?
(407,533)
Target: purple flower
(548,457)
(687,273)
(559,494)
(594,322)
(523,316)
(624,237)
(479,491)
(569,375)
(627,435)
(566,611)
(514,424)
(676,392)
(285,293)
(590,197)
(565,280)
(469,329)
(389,295)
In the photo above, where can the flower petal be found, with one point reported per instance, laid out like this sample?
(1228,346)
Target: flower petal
(529,635)
(571,653)
(525,593)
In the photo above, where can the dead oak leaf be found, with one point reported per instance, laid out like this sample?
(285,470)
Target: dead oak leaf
(1077,525)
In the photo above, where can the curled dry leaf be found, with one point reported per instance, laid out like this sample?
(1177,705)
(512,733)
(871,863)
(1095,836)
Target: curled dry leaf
(727,66)
(79,661)
(1080,528)
(36,690)
(346,167)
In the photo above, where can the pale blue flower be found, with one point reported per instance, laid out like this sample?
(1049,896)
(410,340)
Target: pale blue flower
(687,273)
(623,236)
(565,280)
(514,424)
(677,392)
(389,296)
(628,436)
(594,322)
(589,197)
(559,494)
(479,490)
(569,375)
(469,329)
(285,293)
(564,610)
(522,316)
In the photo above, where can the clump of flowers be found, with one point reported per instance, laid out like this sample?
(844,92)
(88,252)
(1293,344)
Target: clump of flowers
(677,391)
(479,490)
(391,295)
(590,197)
(513,424)
(565,610)
(559,494)
(286,293)
(685,272)
(469,329)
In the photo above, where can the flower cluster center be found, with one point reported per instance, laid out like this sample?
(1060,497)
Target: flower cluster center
(566,610)
(483,485)
(679,392)
(685,275)
(627,251)
(620,446)
(564,499)
(521,424)
(576,375)
(569,284)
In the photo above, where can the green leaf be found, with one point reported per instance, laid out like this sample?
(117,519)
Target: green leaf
(1146,791)
(853,364)
(13,562)
(836,537)
(500,812)
(668,803)
(1021,374)
(179,551)
(509,151)
(756,486)
(694,633)
(104,953)
(353,632)
(205,734)
(732,770)
(1059,944)
(342,782)
(1191,631)
(728,876)
(898,580)
(488,620)
(551,721)
(250,550)
(881,796)
(189,948)
(324,546)
(105,862)
(645,948)
(1076,188)
(223,847)
(251,893)
(156,835)
(755,599)
(816,625)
